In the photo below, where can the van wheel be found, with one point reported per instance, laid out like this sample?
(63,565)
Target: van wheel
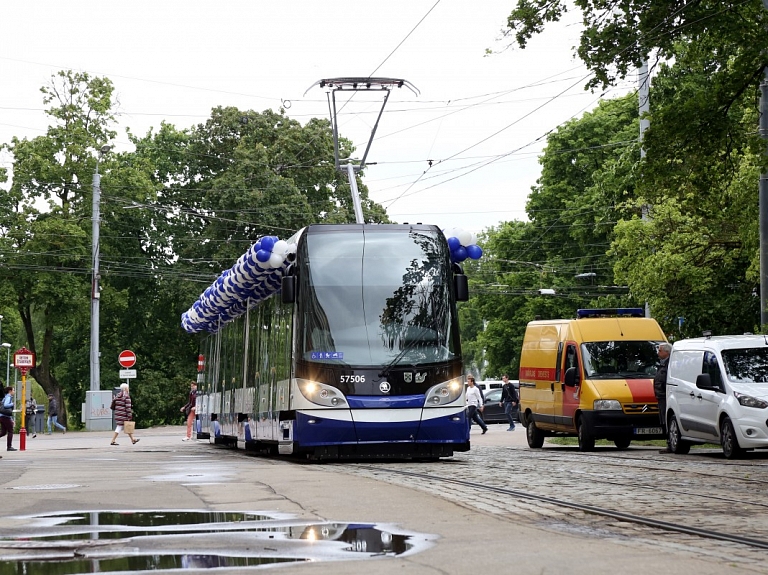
(676,445)
(622,443)
(534,435)
(729,441)
(586,441)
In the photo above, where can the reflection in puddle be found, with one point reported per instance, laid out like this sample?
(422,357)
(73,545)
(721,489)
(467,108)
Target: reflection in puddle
(115,541)
(141,563)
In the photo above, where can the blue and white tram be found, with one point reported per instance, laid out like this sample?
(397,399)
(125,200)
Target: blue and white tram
(357,355)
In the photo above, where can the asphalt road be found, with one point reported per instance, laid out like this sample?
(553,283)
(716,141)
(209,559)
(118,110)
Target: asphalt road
(459,532)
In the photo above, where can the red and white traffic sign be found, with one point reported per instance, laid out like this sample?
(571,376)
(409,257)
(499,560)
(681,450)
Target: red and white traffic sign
(200,362)
(127,358)
(24,360)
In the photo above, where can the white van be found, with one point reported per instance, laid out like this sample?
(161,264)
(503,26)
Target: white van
(489,384)
(717,392)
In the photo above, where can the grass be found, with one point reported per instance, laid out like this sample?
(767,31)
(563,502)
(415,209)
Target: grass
(605,442)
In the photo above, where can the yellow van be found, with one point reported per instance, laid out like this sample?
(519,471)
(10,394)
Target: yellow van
(591,377)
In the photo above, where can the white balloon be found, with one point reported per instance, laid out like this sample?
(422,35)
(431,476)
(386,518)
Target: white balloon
(276,260)
(280,247)
(473,241)
(465,238)
(291,249)
(450,233)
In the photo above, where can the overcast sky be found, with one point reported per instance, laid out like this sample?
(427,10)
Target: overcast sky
(480,119)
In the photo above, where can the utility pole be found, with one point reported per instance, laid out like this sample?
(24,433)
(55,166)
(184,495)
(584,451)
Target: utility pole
(95,289)
(764,203)
(643,96)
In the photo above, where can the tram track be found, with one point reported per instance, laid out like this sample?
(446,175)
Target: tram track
(591,509)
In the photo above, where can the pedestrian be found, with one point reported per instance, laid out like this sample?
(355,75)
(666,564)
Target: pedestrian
(509,400)
(189,409)
(6,417)
(53,415)
(123,412)
(31,422)
(660,388)
(475,404)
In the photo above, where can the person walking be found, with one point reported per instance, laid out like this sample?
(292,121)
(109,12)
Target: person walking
(190,408)
(474,404)
(31,422)
(509,400)
(6,417)
(53,415)
(123,411)
(660,388)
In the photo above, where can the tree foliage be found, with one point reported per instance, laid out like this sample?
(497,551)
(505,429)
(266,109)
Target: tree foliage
(175,213)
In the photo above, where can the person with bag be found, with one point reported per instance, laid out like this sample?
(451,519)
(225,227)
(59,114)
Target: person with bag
(509,400)
(189,409)
(123,411)
(6,417)
(31,422)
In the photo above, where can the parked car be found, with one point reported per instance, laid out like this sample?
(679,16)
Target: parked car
(492,412)
(717,392)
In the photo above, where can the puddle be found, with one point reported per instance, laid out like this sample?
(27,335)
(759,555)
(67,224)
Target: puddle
(121,541)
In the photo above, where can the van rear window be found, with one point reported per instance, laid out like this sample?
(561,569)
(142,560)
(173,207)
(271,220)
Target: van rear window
(620,359)
(748,365)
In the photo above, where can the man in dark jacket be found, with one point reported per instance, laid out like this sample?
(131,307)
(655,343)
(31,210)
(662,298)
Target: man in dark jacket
(509,400)
(660,384)
(53,415)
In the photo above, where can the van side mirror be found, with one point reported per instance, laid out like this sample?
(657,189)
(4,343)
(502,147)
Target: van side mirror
(461,287)
(572,378)
(288,289)
(704,381)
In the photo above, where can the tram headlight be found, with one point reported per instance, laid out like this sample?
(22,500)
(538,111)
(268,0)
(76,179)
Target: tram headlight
(444,393)
(322,394)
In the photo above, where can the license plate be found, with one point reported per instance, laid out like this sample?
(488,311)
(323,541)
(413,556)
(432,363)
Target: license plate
(649,431)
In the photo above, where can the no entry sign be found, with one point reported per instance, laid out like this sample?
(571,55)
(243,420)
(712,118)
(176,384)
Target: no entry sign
(127,358)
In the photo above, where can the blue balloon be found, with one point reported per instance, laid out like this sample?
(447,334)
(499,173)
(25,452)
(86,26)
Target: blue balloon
(257,246)
(267,243)
(460,254)
(263,255)
(453,243)
(474,252)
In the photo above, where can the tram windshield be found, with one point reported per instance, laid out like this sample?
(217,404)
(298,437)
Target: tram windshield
(373,297)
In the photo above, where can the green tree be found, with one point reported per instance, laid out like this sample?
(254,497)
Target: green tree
(45,248)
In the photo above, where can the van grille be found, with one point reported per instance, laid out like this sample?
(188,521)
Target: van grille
(640,408)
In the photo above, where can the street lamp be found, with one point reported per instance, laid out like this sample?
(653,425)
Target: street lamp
(95,289)
(7,347)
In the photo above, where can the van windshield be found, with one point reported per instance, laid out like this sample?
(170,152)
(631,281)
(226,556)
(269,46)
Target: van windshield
(747,365)
(620,359)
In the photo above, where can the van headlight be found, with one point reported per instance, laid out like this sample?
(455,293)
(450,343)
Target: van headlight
(444,393)
(606,405)
(322,394)
(749,401)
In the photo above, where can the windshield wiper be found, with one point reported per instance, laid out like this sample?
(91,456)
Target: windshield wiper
(408,347)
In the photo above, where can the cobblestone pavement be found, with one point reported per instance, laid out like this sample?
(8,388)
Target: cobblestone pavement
(701,490)
(81,471)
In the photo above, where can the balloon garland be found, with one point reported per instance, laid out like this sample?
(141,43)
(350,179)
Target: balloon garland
(257,273)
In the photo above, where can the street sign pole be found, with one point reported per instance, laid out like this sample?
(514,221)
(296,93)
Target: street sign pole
(23,360)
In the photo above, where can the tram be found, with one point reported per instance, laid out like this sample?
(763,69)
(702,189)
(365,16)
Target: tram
(340,342)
